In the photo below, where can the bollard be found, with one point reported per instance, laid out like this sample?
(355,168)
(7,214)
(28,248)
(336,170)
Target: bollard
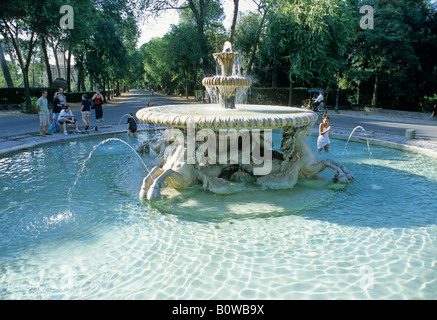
(410,134)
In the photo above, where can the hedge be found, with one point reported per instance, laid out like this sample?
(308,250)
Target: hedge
(18,96)
(279,96)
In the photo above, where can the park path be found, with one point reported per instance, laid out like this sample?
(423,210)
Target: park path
(17,124)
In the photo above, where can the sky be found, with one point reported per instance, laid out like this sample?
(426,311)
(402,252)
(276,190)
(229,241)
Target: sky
(160,26)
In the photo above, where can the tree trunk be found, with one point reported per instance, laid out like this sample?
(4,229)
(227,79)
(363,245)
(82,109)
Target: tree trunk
(80,78)
(290,93)
(5,68)
(68,75)
(375,89)
(104,91)
(58,68)
(200,16)
(255,45)
(234,21)
(47,62)
(186,84)
(275,68)
(23,62)
(358,95)
(27,88)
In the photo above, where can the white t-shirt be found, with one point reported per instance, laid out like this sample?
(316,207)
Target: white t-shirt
(67,115)
(319,98)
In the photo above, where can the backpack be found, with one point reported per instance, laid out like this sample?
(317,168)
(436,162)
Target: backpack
(53,126)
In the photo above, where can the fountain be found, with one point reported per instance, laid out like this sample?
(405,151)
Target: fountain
(195,149)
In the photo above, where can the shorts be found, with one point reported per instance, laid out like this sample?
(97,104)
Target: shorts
(85,113)
(133,129)
(44,120)
(64,121)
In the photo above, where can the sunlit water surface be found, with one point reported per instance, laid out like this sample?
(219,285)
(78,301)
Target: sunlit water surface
(93,239)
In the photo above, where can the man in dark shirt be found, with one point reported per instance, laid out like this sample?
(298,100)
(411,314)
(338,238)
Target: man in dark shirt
(131,125)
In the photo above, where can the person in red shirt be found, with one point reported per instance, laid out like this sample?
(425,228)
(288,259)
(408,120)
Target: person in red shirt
(98,100)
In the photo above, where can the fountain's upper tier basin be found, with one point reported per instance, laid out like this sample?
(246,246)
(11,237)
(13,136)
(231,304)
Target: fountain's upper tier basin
(215,117)
(230,81)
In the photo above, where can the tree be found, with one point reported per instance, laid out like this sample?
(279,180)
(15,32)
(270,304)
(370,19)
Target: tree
(136,71)
(263,9)
(107,34)
(19,24)
(157,62)
(319,38)
(397,52)
(5,68)
(203,12)
(234,21)
(310,42)
(185,53)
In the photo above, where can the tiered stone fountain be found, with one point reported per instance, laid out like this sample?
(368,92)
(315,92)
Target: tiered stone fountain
(194,149)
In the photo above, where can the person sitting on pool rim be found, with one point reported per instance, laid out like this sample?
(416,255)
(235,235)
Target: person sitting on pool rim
(66,116)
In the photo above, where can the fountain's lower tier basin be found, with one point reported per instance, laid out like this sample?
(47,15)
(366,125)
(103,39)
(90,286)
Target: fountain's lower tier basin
(215,117)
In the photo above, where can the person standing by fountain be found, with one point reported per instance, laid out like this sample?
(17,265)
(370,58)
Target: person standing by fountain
(43,113)
(98,100)
(131,125)
(61,97)
(85,110)
(57,106)
(323,140)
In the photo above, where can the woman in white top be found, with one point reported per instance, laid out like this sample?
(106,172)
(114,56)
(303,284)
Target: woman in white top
(323,140)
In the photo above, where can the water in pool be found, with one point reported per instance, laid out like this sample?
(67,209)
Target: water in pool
(72,228)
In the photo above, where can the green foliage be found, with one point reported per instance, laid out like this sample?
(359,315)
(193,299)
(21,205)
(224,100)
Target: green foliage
(18,96)
(275,96)
(395,56)
(109,35)
(31,109)
(279,96)
(246,34)
(312,39)
(156,63)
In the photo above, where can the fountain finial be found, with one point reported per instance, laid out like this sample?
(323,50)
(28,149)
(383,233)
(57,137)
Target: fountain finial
(227,46)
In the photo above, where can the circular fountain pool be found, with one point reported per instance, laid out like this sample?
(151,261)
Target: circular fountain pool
(68,233)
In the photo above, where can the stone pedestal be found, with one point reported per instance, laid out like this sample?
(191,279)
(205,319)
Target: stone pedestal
(410,134)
